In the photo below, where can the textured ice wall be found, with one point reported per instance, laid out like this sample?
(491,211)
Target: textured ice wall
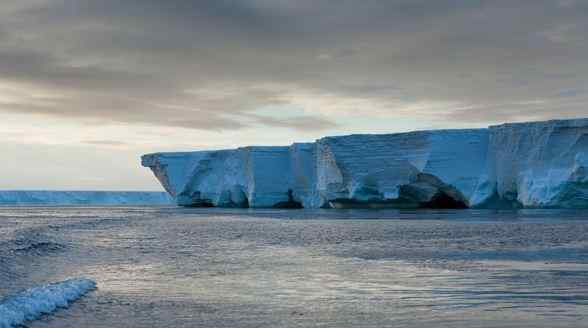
(243,177)
(374,167)
(197,177)
(55,197)
(217,178)
(542,164)
(172,169)
(35,302)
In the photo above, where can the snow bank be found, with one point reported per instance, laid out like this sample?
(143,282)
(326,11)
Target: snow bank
(49,197)
(35,302)
(540,164)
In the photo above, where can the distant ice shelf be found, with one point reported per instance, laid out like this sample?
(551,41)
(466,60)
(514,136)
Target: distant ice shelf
(52,197)
(534,165)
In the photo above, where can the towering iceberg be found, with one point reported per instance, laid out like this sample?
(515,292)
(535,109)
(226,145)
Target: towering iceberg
(542,164)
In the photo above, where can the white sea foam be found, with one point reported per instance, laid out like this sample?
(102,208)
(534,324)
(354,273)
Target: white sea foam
(32,303)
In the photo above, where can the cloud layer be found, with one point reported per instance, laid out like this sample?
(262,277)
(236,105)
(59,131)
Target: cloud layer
(212,65)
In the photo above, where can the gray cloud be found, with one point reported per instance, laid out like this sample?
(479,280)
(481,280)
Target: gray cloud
(302,123)
(106,143)
(211,64)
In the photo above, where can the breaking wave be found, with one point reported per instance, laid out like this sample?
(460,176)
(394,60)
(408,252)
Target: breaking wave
(35,302)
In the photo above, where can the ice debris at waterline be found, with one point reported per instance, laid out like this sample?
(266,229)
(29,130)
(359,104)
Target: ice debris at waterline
(539,164)
(63,197)
(35,302)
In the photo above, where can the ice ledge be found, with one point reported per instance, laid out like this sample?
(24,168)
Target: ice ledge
(536,164)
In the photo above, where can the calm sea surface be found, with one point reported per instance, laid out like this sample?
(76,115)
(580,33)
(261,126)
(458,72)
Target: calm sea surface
(174,267)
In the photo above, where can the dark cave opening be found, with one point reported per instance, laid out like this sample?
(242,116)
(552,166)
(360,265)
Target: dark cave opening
(444,201)
(290,203)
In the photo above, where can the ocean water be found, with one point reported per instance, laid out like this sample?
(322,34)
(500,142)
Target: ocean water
(174,267)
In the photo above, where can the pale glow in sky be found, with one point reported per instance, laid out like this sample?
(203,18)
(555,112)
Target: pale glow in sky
(57,153)
(87,87)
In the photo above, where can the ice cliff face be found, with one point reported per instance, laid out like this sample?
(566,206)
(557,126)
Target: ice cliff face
(386,167)
(541,164)
(243,177)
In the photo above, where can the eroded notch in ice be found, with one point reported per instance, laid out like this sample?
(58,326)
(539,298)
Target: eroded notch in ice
(35,302)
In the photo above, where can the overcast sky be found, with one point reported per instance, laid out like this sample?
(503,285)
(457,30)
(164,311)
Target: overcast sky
(87,86)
